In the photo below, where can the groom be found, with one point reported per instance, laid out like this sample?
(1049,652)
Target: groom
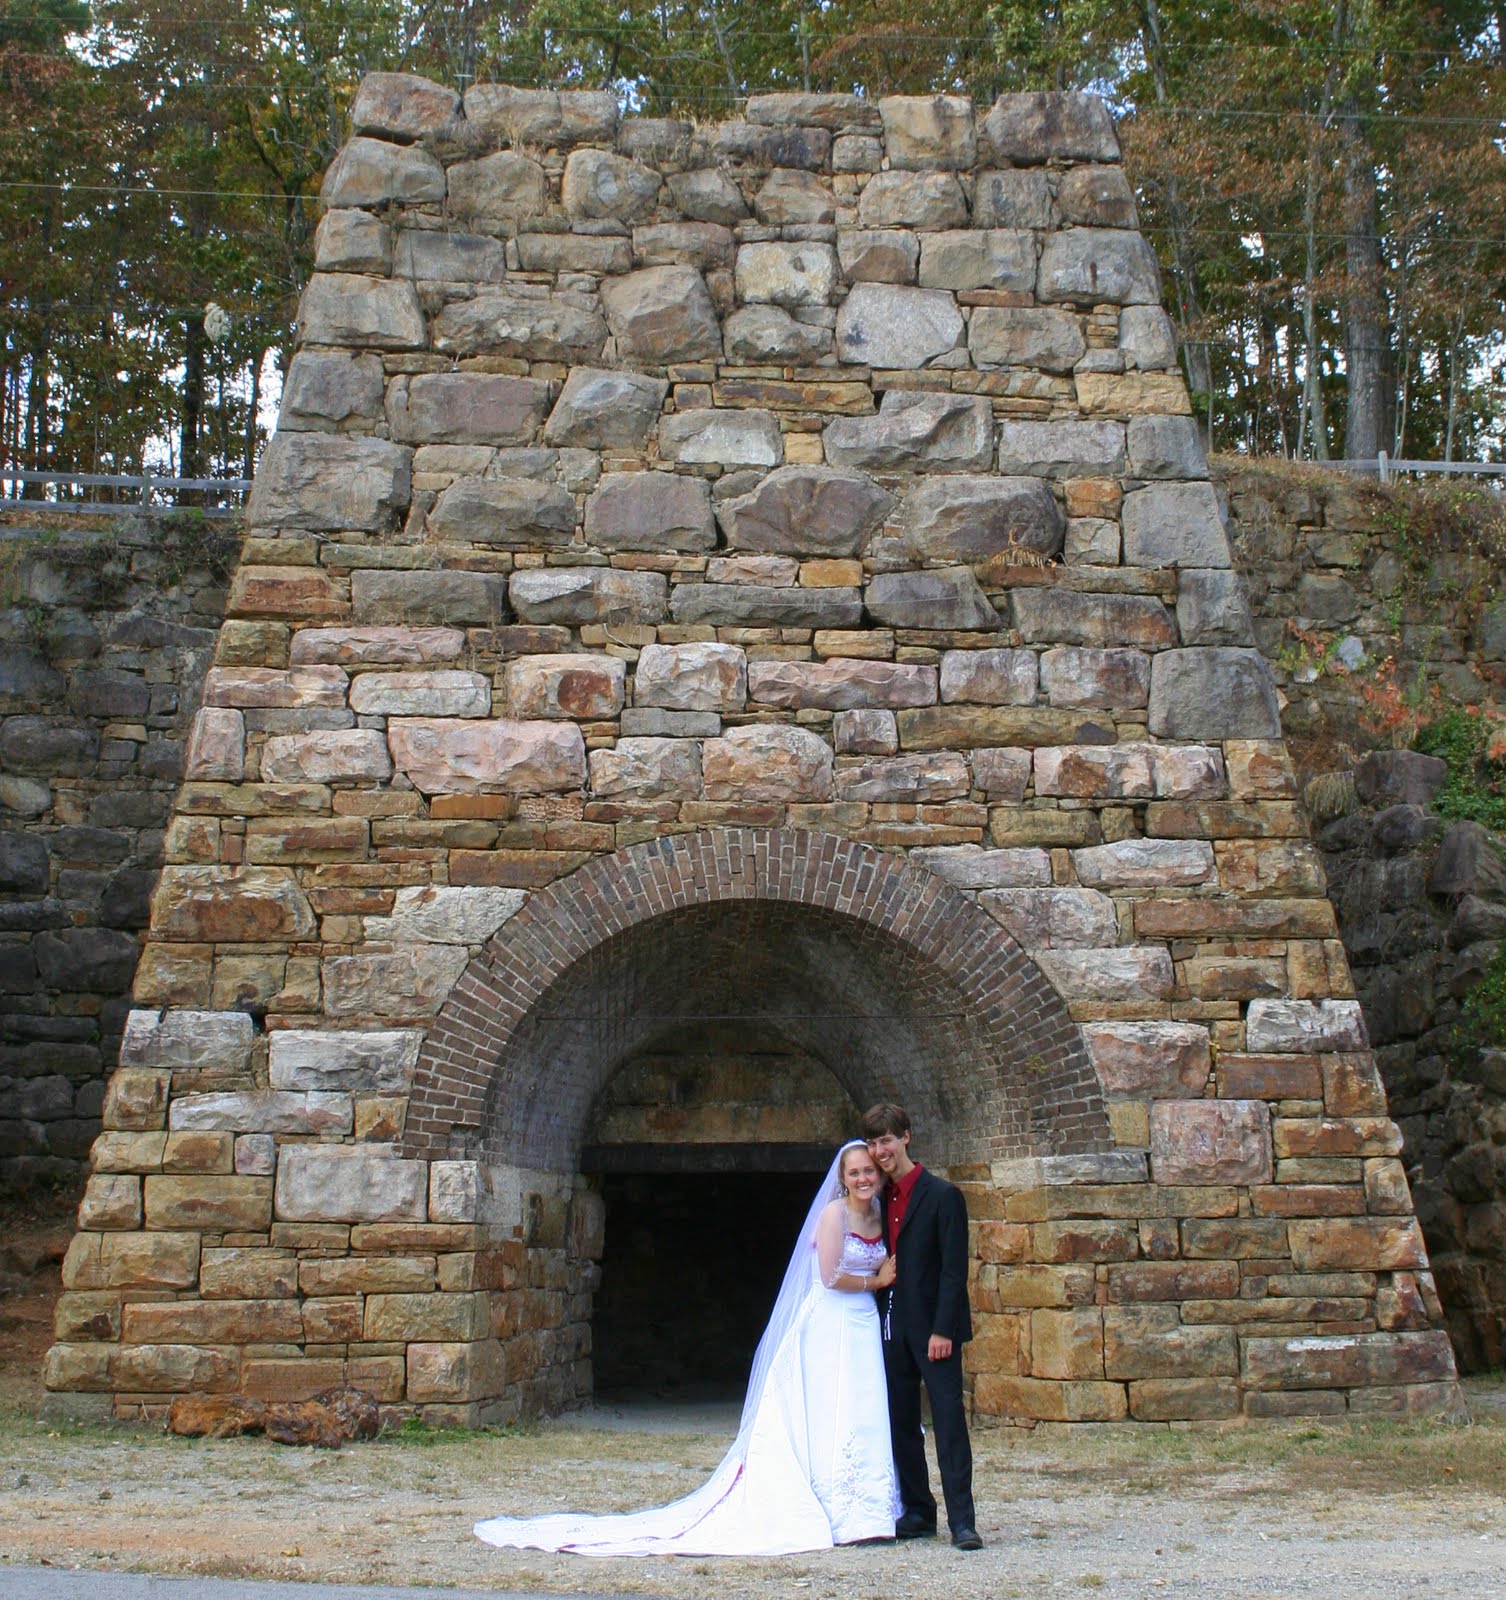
(926,1322)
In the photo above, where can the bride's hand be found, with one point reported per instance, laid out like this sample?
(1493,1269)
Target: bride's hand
(885,1274)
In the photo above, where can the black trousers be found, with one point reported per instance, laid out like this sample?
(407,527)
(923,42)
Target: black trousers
(905,1369)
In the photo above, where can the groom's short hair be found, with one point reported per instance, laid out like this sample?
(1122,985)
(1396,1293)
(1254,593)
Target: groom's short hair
(890,1119)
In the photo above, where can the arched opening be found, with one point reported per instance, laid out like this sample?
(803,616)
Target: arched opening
(691,1027)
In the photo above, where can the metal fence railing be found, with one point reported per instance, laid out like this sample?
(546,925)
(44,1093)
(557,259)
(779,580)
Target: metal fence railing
(1387,467)
(117,493)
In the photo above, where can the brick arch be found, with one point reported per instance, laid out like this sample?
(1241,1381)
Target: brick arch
(898,982)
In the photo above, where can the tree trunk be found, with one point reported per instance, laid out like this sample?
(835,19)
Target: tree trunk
(190,423)
(1364,331)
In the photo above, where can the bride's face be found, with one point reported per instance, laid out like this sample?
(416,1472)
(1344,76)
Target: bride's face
(860,1175)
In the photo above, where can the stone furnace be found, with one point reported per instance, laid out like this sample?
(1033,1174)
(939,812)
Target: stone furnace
(734,626)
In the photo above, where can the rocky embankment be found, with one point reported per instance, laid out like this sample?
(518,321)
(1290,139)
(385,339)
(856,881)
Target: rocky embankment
(1422,908)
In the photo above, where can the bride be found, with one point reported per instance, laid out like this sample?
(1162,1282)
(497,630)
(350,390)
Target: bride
(811,1465)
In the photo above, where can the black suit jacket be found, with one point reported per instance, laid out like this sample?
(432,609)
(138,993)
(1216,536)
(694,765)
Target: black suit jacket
(930,1289)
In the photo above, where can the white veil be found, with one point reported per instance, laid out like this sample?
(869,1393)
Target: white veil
(672,1528)
(795,1287)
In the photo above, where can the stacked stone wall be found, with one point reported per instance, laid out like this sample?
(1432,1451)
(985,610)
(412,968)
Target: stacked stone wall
(802,512)
(106,639)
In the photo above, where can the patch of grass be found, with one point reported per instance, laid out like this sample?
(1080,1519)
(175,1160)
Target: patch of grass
(1482,1016)
(1469,741)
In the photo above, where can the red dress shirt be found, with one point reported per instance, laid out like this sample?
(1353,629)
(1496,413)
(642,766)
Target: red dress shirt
(896,1201)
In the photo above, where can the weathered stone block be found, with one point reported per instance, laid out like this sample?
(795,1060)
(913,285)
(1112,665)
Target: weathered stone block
(1074,676)
(326,756)
(230,905)
(1213,693)
(1066,1344)
(691,677)
(1148,1341)
(1031,128)
(218,1203)
(204,1041)
(1149,1060)
(1210,1141)
(1174,525)
(840,685)
(429,597)
(543,117)
(945,597)
(576,595)
(1305,1026)
(822,511)
(1212,607)
(599,185)
(786,274)
(502,189)
(502,322)
(793,199)
(602,410)
(1098,266)
(912,200)
(1062,449)
(886,325)
(767,763)
(466,408)
(1338,1361)
(329,389)
(324,481)
(647,769)
(722,438)
(335,1183)
(411,981)
(1123,974)
(915,431)
(765,335)
(439,914)
(865,733)
(1015,197)
(156,1260)
(662,314)
(1042,918)
(929,131)
(403,106)
(374,173)
(421,694)
(978,258)
(906,779)
(990,677)
(1063,616)
(440,756)
(111,1200)
(579,686)
(971,867)
(1009,336)
(1093,772)
(1145,863)
(350,310)
(760,605)
(510,513)
(263,1111)
(330,1060)
(1357,1244)
(878,255)
(351,241)
(650,511)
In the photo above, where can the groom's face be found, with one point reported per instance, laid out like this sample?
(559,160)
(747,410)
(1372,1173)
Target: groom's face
(888,1150)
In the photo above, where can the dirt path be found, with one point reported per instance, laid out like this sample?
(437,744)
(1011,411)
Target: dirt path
(1376,1511)
(1381,1511)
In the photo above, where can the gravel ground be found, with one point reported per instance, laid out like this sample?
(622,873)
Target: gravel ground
(1377,1511)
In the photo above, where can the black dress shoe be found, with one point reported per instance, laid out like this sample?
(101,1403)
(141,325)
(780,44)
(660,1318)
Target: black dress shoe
(914,1526)
(966,1539)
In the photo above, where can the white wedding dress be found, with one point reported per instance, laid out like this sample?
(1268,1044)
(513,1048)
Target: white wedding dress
(811,1466)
